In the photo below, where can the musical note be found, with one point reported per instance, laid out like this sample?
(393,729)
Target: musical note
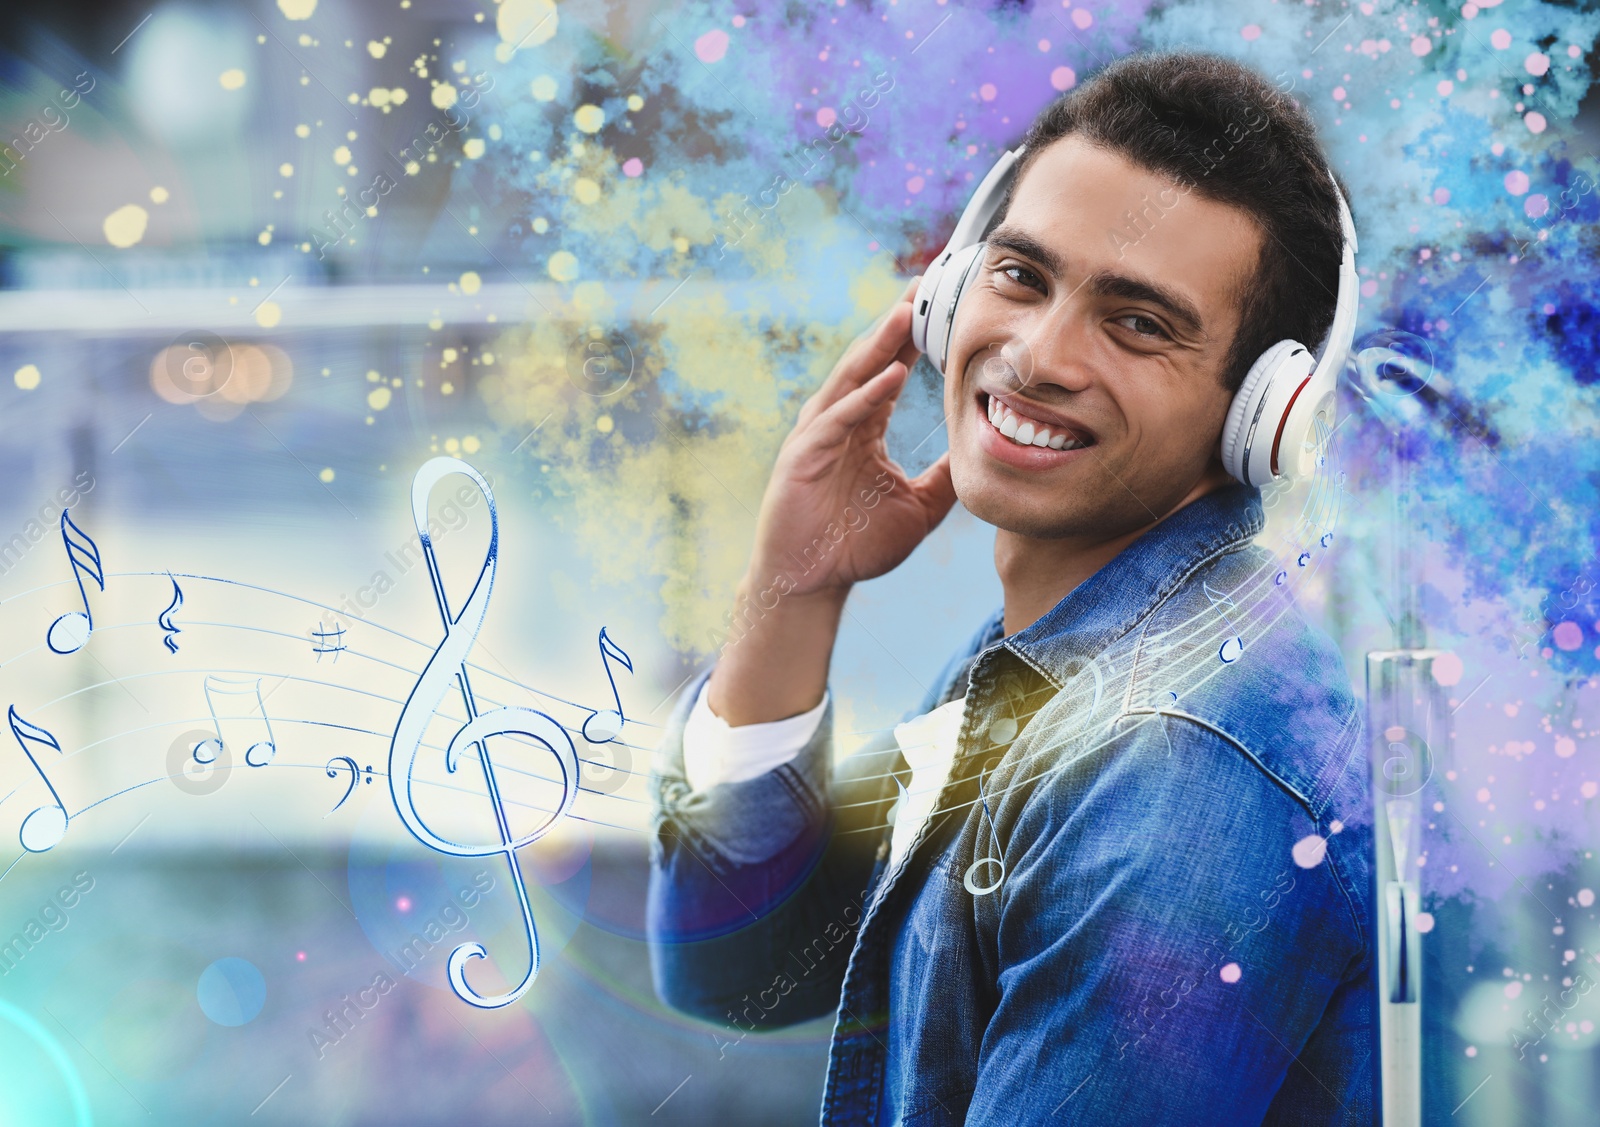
(46,826)
(605,726)
(164,619)
(261,751)
(968,880)
(323,635)
(448,664)
(68,633)
(355,776)
(1233,647)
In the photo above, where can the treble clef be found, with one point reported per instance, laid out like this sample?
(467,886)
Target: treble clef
(447,664)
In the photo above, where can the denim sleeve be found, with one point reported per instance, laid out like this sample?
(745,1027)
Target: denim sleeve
(1163,950)
(743,875)
(757,887)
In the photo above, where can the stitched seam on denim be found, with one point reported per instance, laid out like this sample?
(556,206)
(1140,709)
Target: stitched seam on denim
(799,790)
(1316,818)
(967,729)
(1344,750)
(1248,754)
(1143,614)
(1230,548)
(1341,880)
(882,890)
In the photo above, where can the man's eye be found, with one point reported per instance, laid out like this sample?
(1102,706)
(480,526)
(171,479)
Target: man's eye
(1028,278)
(1142,325)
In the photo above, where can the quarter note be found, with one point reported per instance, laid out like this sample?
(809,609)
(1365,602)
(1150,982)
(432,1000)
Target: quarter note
(447,666)
(164,619)
(604,726)
(69,632)
(260,751)
(969,879)
(46,826)
(1232,647)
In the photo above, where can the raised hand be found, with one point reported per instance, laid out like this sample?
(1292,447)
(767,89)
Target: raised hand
(837,510)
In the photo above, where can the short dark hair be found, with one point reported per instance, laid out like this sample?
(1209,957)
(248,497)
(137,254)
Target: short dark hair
(1231,136)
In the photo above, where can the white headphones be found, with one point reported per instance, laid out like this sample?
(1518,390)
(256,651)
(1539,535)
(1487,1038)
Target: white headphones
(1284,395)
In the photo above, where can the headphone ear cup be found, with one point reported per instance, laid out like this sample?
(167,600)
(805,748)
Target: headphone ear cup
(1259,410)
(936,314)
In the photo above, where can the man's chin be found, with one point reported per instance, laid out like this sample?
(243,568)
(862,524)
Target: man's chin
(1027,509)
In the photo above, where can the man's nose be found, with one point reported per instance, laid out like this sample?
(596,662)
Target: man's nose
(1049,350)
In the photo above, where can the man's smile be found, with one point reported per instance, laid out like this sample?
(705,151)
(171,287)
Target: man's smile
(1023,434)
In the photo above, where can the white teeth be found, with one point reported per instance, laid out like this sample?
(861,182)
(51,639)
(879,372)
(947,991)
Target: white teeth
(1026,432)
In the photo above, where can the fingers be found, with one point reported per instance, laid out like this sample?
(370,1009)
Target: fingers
(833,426)
(868,355)
(935,490)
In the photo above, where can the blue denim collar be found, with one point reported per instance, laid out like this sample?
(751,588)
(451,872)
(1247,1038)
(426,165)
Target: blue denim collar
(1110,602)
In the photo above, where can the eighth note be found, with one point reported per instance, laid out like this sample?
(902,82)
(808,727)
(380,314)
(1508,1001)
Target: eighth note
(259,752)
(604,726)
(69,632)
(164,619)
(46,826)
(1233,647)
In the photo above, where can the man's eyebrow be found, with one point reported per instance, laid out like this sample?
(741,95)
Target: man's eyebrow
(1014,238)
(1109,284)
(1105,283)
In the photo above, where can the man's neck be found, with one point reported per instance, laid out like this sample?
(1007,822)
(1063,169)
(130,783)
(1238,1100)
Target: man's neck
(1036,574)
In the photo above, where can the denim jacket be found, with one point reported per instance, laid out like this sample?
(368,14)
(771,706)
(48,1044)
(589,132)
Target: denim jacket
(1144,894)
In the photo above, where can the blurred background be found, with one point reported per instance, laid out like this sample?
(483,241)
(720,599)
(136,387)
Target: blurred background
(261,260)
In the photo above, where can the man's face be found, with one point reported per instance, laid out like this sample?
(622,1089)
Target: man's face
(1115,343)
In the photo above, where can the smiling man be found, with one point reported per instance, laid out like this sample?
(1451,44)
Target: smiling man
(1114,867)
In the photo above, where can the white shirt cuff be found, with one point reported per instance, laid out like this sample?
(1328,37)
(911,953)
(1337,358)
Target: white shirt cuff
(715,752)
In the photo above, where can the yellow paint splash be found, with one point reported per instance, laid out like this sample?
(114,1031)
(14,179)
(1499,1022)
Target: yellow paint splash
(563,266)
(27,377)
(297,9)
(232,79)
(125,226)
(526,23)
(740,374)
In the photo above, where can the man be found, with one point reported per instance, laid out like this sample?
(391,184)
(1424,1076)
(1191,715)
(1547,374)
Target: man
(1103,876)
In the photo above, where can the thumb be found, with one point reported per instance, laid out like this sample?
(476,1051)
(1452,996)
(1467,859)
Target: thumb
(934,490)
